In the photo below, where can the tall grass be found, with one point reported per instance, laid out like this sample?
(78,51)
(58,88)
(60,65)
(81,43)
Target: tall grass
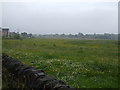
(79,63)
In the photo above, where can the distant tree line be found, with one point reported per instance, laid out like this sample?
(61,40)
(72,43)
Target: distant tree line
(14,35)
(82,36)
(23,35)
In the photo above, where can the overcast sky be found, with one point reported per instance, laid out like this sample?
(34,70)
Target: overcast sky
(61,17)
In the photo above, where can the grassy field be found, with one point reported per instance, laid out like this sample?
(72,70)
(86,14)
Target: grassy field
(79,63)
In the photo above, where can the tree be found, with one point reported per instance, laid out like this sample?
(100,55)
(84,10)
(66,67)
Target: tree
(17,36)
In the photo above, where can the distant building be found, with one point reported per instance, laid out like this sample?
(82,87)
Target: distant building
(30,35)
(4,32)
(24,35)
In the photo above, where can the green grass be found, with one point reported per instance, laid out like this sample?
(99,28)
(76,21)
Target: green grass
(79,63)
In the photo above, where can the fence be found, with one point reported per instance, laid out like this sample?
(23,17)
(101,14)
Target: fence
(18,75)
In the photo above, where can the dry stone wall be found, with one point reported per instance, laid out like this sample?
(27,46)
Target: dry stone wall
(18,75)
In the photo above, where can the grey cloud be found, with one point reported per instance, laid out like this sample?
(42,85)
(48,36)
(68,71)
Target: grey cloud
(61,17)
